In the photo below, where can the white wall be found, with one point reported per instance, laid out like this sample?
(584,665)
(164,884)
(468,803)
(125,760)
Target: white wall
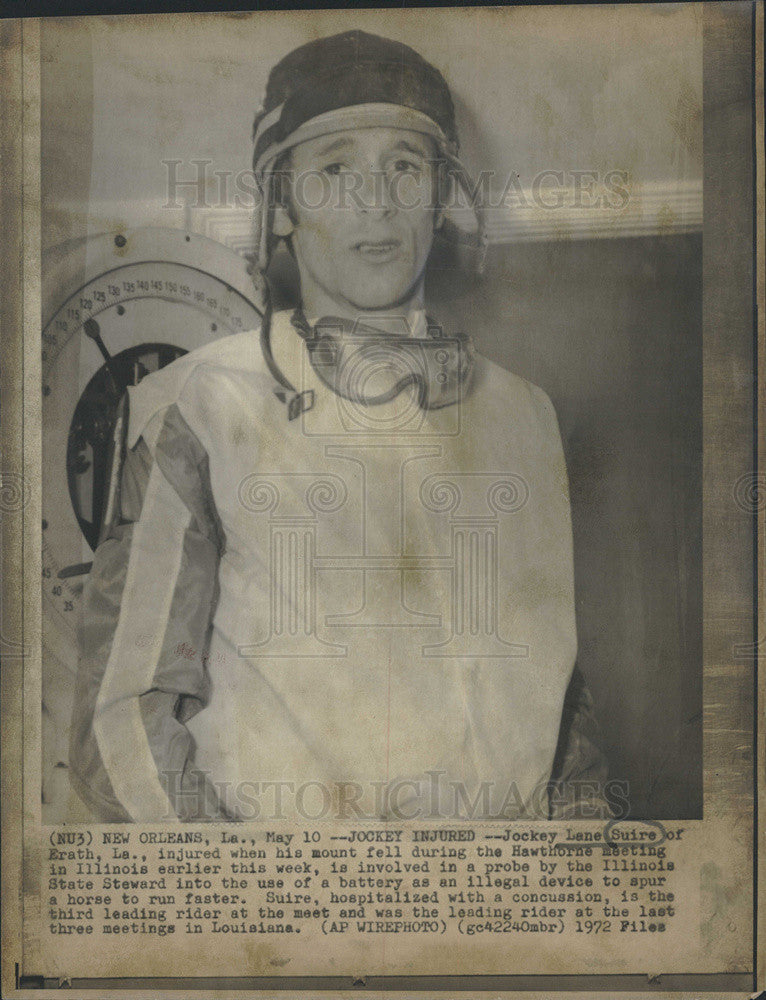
(536,88)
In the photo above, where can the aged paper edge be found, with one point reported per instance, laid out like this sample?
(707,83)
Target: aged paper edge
(11,521)
(759,846)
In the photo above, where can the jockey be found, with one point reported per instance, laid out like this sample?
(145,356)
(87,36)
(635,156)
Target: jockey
(339,561)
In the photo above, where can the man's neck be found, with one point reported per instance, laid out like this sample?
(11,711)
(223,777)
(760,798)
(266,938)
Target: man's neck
(394,319)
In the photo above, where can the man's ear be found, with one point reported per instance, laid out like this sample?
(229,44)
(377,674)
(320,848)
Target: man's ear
(282,224)
(439,216)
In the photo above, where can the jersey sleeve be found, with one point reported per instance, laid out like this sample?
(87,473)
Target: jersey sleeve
(147,611)
(580,770)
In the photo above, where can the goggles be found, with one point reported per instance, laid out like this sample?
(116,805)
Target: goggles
(370,367)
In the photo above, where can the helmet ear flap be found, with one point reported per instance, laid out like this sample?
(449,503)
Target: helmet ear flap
(273,218)
(443,187)
(460,181)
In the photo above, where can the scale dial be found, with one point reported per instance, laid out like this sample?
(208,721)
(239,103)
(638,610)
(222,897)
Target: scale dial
(116,307)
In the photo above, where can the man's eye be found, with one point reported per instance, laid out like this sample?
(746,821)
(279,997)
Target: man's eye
(333,169)
(406,167)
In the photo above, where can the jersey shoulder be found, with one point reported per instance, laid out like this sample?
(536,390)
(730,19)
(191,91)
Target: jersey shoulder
(235,354)
(511,395)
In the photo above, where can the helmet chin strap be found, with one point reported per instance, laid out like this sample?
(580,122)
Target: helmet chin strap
(297,402)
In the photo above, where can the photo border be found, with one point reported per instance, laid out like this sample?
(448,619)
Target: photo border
(726,289)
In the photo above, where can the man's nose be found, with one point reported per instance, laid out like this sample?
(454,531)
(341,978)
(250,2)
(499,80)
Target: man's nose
(375,196)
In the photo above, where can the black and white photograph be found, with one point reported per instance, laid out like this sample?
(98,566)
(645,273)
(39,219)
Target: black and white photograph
(381,495)
(411,523)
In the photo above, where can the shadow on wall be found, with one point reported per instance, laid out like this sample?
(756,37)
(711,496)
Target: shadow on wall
(612,331)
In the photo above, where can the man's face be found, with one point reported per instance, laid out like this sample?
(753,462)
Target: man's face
(362,219)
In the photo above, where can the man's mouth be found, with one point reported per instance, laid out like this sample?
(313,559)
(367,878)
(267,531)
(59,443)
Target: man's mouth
(379,251)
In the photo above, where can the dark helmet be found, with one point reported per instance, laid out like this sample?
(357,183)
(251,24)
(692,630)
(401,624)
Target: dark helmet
(351,70)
